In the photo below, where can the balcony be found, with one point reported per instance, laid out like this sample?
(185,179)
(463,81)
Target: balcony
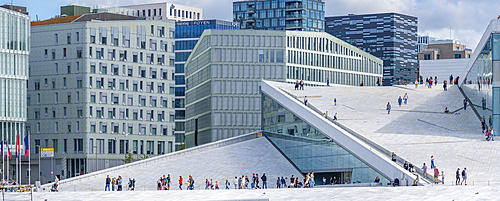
(294,25)
(250,9)
(294,7)
(251,19)
(294,16)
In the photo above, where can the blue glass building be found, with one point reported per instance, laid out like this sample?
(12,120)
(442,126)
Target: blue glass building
(187,34)
(296,15)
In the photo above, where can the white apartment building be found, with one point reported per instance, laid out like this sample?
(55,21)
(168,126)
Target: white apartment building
(164,10)
(98,90)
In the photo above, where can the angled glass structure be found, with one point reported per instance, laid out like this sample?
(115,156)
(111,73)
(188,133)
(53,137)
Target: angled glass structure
(481,84)
(310,150)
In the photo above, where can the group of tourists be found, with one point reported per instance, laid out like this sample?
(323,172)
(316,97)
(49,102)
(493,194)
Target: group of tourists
(300,85)
(117,184)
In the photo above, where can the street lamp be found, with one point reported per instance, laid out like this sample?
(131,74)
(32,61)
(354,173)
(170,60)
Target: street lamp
(39,163)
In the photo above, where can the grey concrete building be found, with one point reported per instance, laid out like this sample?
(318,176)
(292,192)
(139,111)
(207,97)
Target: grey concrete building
(224,71)
(100,89)
(14,57)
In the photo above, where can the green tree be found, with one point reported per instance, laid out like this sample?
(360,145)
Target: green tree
(128,158)
(143,156)
(183,146)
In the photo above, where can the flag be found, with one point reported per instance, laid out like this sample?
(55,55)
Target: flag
(26,145)
(8,149)
(18,146)
(1,145)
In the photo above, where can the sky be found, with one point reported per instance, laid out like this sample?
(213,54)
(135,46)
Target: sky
(465,19)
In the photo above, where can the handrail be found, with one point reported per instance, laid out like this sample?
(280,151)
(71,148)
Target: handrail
(399,160)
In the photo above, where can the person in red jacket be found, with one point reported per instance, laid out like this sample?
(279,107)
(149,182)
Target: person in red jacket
(180,182)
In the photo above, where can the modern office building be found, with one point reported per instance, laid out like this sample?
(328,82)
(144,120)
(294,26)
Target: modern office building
(14,62)
(99,90)
(297,15)
(480,81)
(391,37)
(224,71)
(164,10)
(20,9)
(444,49)
(423,42)
(187,34)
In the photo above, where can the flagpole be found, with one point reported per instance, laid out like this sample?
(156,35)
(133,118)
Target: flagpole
(29,159)
(3,159)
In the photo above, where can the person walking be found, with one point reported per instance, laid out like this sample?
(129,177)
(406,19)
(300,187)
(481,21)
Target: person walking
(327,82)
(335,117)
(416,83)
(405,98)
(334,101)
(180,182)
(191,183)
(424,169)
(442,177)
(483,124)
(436,175)
(305,100)
(444,86)
(120,183)
(457,180)
(378,81)
(278,183)
(400,100)
(297,85)
(465,103)
(301,84)
(312,179)
(432,162)
(451,79)
(324,181)
(464,176)
(236,183)
(108,182)
(264,181)
(435,81)
(227,184)
(388,108)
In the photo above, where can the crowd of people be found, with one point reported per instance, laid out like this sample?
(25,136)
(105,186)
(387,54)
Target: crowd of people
(114,183)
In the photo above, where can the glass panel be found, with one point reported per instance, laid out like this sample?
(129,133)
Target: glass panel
(477,86)
(310,150)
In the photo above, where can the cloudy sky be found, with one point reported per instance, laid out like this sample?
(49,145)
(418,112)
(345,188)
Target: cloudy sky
(466,18)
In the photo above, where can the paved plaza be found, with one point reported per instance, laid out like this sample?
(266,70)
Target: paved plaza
(244,158)
(457,193)
(414,131)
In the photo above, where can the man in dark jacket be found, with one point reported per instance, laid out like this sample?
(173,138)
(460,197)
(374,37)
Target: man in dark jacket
(264,181)
(458,177)
(108,182)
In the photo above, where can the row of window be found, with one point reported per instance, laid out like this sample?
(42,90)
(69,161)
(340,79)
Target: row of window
(99,146)
(184,14)
(235,103)
(248,55)
(278,13)
(328,61)
(136,85)
(252,5)
(247,40)
(321,76)
(114,128)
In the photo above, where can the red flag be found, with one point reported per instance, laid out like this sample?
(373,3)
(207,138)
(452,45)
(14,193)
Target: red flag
(18,145)
(26,145)
(8,149)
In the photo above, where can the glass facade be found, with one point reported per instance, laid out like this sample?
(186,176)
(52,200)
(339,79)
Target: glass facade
(187,34)
(310,150)
(478,85)
(391,37)
(14,63)
(298,15)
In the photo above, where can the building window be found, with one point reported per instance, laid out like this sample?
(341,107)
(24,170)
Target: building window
(427,57)
(458,56)
(111,146)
